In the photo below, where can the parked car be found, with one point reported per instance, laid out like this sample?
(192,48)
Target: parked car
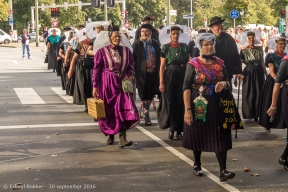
(33,38)
(4,37)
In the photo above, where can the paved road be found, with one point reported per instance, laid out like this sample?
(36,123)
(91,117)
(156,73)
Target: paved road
(49,144)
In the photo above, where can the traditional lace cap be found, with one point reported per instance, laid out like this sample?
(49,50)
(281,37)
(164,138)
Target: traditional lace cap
(272,43)
(103,40)
(81,34)
(204,36)
(164,36)
(91,28)
(58,31)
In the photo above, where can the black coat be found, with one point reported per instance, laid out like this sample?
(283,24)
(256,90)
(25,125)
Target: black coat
(226,49)
(155,34)
(140,67)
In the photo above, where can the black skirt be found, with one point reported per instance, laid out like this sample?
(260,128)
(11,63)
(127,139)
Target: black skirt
(83,84)
(251,90)
(52,56)
(210,135)
(265,103)
(171,105)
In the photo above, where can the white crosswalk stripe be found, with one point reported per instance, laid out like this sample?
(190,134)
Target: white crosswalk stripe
(28,96)
(62,93)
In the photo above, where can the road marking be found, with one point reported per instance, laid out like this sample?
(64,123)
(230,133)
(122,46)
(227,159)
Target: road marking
(187,160)
(48,125)
(10,60)
(149,134)
(28,96)
(62,93)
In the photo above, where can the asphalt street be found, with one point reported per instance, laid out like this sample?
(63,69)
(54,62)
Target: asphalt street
(49,144)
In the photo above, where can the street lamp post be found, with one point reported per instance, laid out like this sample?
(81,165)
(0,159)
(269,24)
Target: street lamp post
(168,12)
(191,6)
(242,14)
(36,23)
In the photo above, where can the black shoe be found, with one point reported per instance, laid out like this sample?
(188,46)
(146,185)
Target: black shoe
(283,162)
(267,129)
(179,136)
(95,120)
(197,170)
(256,119)
(170,135)
(148,123)
(86,110)
(110,140)
(225,175)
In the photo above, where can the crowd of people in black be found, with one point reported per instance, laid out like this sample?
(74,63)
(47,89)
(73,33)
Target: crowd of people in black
(193,83)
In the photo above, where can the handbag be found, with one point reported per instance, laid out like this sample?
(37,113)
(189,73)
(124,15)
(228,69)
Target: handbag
(96,108)
(127,86)
(87,62)
(229,117)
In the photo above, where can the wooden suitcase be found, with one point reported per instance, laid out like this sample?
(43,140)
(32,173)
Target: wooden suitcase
(96,108)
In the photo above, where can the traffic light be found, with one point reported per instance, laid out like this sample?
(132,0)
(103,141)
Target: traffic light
(57,12)
(111,3)
(95,3)
(283,13)
(126,16)
(52,12)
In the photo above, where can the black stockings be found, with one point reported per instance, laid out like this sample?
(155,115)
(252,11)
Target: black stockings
(285,153)
(221,157)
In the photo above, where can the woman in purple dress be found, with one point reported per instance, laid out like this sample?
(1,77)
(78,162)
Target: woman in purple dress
(112,64)
(281,81)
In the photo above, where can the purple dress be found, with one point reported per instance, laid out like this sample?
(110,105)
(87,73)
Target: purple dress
(119,106)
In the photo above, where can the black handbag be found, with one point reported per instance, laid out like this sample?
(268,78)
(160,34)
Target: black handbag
(87,62)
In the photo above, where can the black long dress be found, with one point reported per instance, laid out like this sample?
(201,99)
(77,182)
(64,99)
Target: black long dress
(253,81)
(53,51)
(83,77)
(147,82)
(171,106)
(282,77)
(63,69)
(266,96)
(214,133)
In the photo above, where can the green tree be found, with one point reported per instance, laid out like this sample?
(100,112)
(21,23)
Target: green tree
(4,7)
(138,9)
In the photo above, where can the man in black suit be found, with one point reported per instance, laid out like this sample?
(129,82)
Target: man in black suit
(148,21)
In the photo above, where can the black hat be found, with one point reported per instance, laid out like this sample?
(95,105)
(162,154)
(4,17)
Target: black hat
(147,26)
(67,28)
(147,18)
(215,20)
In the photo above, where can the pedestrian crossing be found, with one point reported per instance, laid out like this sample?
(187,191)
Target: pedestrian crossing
(55,95)
(28,96)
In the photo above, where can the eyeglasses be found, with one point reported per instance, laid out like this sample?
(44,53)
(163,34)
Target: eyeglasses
(208,44)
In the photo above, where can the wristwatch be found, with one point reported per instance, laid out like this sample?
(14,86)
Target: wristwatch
(187,109)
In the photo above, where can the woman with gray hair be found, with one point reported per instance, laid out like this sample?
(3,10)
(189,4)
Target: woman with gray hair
(210,112)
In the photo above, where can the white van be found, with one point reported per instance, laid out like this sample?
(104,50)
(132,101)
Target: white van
(4,37)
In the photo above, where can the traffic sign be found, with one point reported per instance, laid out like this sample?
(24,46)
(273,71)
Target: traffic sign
(234,14)
(10,12)
(188,16)
(55,23)
(127,25)
(10,20)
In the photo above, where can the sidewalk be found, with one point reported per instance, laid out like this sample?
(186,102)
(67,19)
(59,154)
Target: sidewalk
(18,45)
